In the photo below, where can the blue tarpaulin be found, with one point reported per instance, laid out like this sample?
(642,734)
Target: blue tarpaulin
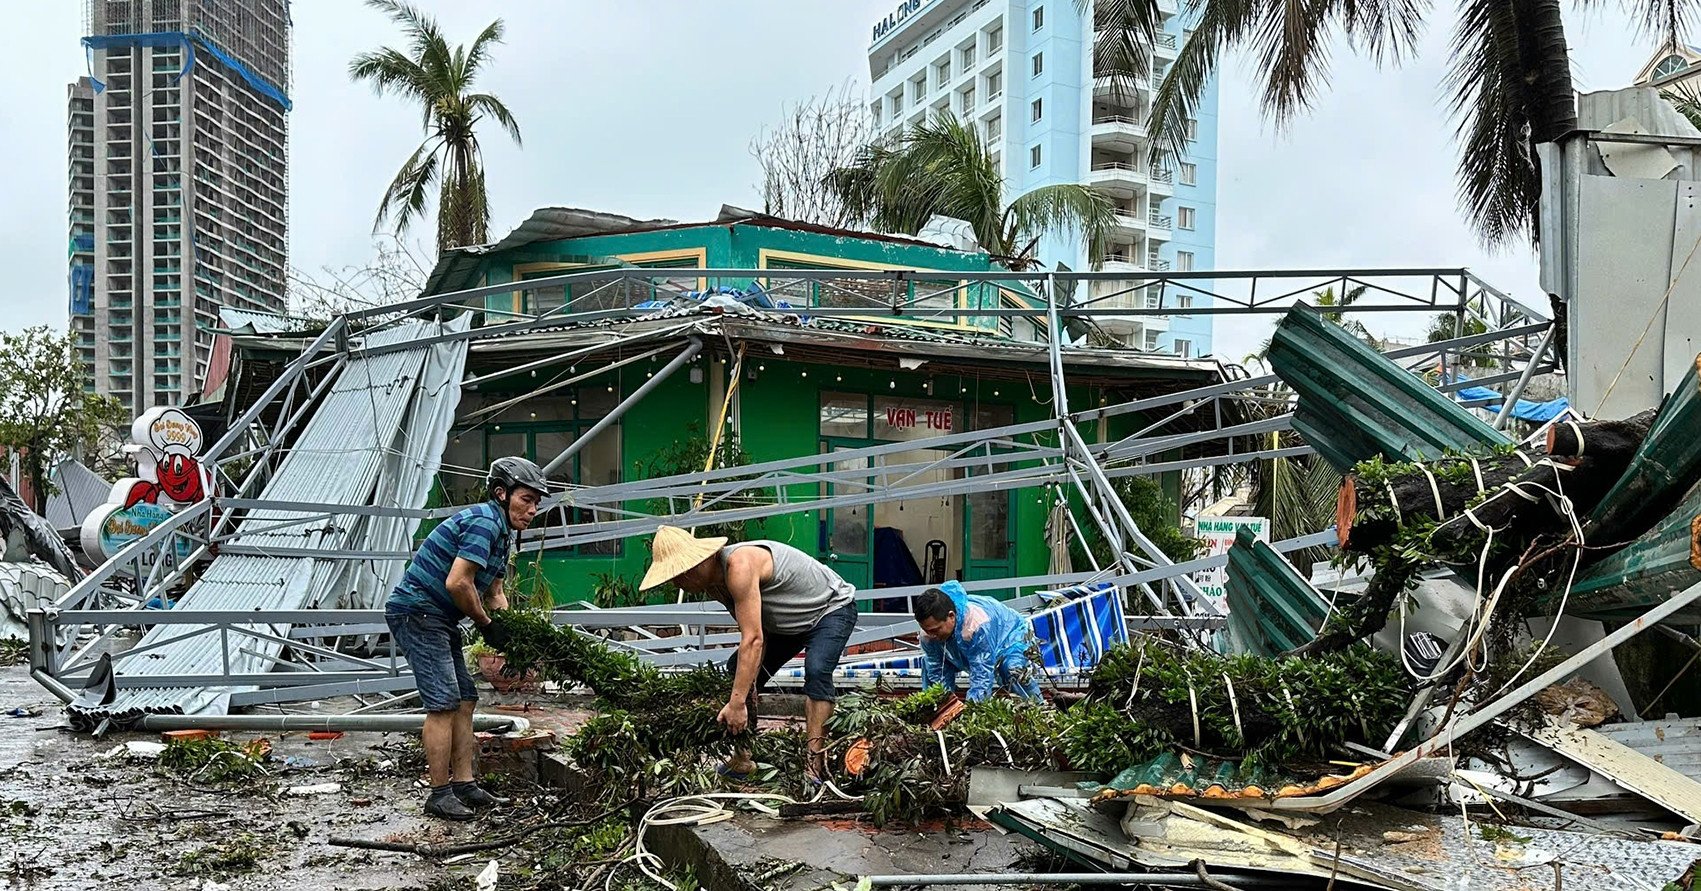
(1523,409)
(189,41)
(1072,634)
(82,289)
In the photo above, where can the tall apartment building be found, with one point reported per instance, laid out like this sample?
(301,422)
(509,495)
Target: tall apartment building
(1022,71)
(179,170)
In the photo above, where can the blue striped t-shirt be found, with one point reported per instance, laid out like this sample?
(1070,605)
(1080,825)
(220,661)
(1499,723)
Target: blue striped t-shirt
(478,534)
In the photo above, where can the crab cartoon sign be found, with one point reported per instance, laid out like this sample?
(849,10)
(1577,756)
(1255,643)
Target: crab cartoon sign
(166,444)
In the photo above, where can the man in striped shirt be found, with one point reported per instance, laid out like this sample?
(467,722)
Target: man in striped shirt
(456,574)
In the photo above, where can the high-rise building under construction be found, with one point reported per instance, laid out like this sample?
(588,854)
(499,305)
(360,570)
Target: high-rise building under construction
(179,183)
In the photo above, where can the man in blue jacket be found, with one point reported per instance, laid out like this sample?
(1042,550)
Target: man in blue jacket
(967,632)
(457,574)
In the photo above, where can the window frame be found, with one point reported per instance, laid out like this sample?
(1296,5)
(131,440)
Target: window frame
(1185,266)
(1188,175)
(1037,63)
(1186,218)
(1039,17)
(1036,157)
(577,426)
(1037,109)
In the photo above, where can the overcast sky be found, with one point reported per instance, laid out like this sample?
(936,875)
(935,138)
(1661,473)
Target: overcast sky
(647,108)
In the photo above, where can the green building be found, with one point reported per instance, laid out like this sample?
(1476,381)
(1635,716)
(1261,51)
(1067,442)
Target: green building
(786,388)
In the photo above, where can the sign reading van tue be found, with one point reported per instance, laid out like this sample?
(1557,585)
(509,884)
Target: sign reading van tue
(1218,533)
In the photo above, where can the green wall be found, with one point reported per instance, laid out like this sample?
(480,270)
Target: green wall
(778,409)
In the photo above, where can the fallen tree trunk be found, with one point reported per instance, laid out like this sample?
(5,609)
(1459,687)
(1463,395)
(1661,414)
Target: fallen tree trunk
(1582,459)
(1368,516)
(1612,440)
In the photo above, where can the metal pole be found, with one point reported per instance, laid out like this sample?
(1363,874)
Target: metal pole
(1517,390)
(282,723)
(1172,879)
(686,355)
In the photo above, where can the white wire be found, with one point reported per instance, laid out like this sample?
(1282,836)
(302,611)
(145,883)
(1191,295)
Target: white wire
(686,810)
(1484,614)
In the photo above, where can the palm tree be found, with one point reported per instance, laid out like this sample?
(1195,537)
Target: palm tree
(1687,100)
(1510,80)
(441,80)
(941,167)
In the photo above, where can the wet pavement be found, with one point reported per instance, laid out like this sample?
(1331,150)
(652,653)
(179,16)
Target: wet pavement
(73,819)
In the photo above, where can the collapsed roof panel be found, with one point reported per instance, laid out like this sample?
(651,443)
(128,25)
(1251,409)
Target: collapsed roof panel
(376,438)
(1355,404)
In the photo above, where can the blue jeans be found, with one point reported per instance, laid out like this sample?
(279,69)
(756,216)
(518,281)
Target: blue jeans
(822,646)
(433,647)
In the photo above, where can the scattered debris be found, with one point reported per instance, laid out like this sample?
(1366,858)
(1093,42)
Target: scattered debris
(1577,702)
(315,789)
(241,853)
(214,762)
(486,878)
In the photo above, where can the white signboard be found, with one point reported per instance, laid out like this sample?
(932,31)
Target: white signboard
(1219,533)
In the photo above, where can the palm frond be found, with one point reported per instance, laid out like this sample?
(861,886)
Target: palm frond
(1499,186)
(941,168)
(855,185)
(422,29)
(1291,43)
(1221,23)
(1123,32)
(479,51)
(389,71)
(406,195)
(1060,209)
(1387,30)
(1687,100)
(485,103)
(1665,19)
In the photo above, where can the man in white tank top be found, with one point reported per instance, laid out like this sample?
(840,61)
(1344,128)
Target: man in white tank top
(785,602)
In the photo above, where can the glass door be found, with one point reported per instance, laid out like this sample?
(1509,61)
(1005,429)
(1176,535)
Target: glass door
(847,536)
(989,521)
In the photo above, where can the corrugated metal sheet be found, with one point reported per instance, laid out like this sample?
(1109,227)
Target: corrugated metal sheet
(1642,574)
(1674,742)
(1615,246)
(376,438)
(24,587)
(1659,783)
(80,490)
(247,321)
(1356,404)
(1272,608)
(1375,845)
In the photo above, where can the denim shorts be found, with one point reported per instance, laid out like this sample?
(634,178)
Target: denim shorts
(433,647)
(822,646)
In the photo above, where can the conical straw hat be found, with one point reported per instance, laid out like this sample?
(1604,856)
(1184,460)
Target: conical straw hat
(674,551)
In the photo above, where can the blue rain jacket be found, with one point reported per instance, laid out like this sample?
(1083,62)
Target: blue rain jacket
(990,642)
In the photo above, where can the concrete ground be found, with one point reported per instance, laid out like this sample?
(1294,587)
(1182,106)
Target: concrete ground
(749,851)
(72,819)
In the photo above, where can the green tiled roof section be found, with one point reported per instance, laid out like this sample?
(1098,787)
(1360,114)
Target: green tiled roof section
(1355,404)
(1272,608)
